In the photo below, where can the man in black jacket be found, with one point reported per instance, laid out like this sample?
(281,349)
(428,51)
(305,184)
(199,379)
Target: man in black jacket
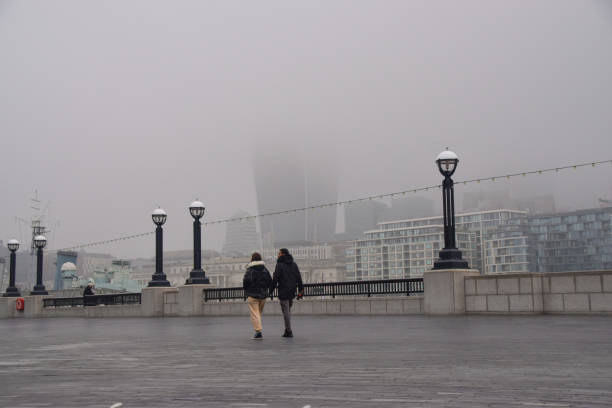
(88,292)
(287,278)
(256,284)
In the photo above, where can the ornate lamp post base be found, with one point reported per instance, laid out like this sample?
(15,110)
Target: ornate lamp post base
(197,277)
(450,259)
(158,280)
(39,290)
(11,292)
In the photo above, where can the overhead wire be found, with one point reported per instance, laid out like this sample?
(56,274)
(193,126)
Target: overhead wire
(353,201)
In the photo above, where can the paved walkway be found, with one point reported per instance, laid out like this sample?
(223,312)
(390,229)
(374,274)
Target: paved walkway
(412,361)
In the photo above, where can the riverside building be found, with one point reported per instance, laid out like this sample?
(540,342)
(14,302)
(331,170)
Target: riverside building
(498,241)
(559,242)
(407,248)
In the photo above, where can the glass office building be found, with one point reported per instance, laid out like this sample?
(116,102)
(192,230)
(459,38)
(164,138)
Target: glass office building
(573,241)
(560,242)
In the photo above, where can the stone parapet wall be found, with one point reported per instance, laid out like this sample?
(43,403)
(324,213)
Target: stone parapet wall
(8,309)
(516,293)
(578,292)
(93,311)
(166,302)
(395,305)
(569,292)
(446,292)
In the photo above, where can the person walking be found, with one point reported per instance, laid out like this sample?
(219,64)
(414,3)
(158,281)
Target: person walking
(256,284)
(287,278)
(88,292)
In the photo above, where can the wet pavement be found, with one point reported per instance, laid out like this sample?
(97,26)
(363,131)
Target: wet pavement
(408,361)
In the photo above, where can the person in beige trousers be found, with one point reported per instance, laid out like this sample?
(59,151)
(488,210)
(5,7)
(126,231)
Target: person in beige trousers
(256,284)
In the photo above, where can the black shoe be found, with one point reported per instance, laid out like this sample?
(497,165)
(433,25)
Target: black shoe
(288,333)
(258,336)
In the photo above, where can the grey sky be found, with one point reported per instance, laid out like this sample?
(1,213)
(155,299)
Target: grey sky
(111,108)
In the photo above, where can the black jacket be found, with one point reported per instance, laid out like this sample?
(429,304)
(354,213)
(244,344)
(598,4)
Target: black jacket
(88,291)
(257,280)
(287,277)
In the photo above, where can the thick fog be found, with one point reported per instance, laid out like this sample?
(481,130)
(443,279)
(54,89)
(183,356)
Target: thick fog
(110,109)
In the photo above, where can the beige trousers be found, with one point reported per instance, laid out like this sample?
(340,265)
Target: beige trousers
(256,307)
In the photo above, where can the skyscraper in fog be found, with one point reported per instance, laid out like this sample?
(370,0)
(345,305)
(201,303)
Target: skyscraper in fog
(409,207)
(321,185)
(241,236)
(286,179)
(365,215)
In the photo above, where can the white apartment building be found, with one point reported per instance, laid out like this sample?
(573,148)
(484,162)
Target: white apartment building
(407,248)
(306,252)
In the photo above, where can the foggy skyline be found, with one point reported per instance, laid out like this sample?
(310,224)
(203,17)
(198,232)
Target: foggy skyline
(110,109)
(286,179)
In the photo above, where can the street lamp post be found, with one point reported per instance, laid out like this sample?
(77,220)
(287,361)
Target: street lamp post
(12,291)
(197,276)
(159,277)
(450,256)
(39,242)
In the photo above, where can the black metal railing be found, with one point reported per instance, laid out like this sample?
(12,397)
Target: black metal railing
(351,288)
(94,300)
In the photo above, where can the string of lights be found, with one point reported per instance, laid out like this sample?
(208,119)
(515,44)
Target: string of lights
(106,242)
(357,200)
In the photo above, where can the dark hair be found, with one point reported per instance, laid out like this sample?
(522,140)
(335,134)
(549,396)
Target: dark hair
(284,251)
(255,256)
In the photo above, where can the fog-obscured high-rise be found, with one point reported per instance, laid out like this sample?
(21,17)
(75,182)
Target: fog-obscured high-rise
(409,207)
(240,236)
(365,215)
(321,186)
(485,200)
(286,179)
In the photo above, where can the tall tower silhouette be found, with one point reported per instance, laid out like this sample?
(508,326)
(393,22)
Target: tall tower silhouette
(286,179)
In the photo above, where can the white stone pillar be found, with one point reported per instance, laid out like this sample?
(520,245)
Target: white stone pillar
(33,305)
(445,290)
(8,307)
(190,299)
(152,300)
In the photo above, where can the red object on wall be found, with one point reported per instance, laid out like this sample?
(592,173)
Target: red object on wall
(20,304)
